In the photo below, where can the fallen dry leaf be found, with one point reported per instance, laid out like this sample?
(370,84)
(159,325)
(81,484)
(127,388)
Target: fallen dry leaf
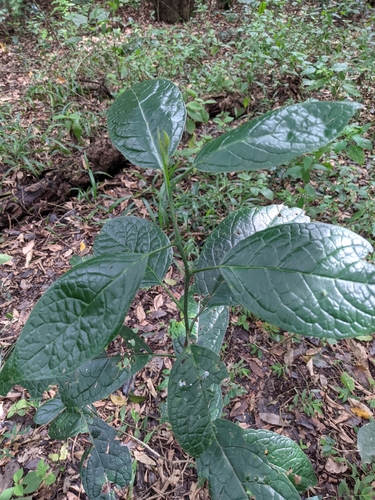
(360,409)
(335,467)
(141,315)
(158,301)
(271,418)
(142,457)
(118,400)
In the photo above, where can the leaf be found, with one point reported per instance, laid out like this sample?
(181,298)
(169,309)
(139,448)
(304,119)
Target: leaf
(76,318)
(108,462)
(93,381)
(356,154)
(366,443)
(133,234)
(208,331)
(190,397)
(7,494)
(31,482)
(308,278)
(212,326)
(4,258)
(48,411)
(234,228)
(277,137)
(138,117)
(362,142)
(236,470)
(68,424)
(36,387)
(284,454)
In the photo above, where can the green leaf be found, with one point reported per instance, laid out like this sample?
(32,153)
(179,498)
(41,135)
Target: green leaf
(99,377)
(138,117)
(308,278)
(133,234)
(190,397)
(7,494)
(284,454)
(356,154)
(348,381)
(48,411)
(108,462)
(277,137)
(366,443)
(31,482)
(362,142)
(77,317)
(236,470)
(68,424)
(36,387)
(4,258)
(233,229)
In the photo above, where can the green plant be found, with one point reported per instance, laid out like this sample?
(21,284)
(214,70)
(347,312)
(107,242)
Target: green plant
(30,483)
(4,258)
(20,408)
(307,402)
(280,370)
(304,277)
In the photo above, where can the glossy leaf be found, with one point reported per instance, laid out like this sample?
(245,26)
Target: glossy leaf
(140,115)
(307,278)
(366,443)
(67,424)
(216,402)
(277,137)
(233,229)
(36,387)
(133,234)
(77,317)
(285,454)
(109,462)
(49,410)
(208,331)
(191,397)
(236,470)
(94,380)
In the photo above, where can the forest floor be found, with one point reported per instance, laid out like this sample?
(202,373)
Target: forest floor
(317,392)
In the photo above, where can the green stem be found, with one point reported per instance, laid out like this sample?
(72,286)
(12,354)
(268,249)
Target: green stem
(179,244)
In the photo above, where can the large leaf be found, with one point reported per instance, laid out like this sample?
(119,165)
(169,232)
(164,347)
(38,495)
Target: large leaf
(49,410)
(68,423)
(95,380)
(308,278)
(191,397)
(141,353)
(234,228)
(76,318)
(236,470)
(133,234)
(277,137)
(109,462)
(285,454)
(138,118)
(36,387)
(366,443)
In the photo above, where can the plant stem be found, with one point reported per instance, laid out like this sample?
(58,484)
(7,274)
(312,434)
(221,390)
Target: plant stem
(179,244)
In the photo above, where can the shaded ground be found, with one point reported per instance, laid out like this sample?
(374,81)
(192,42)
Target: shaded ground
(280,382)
